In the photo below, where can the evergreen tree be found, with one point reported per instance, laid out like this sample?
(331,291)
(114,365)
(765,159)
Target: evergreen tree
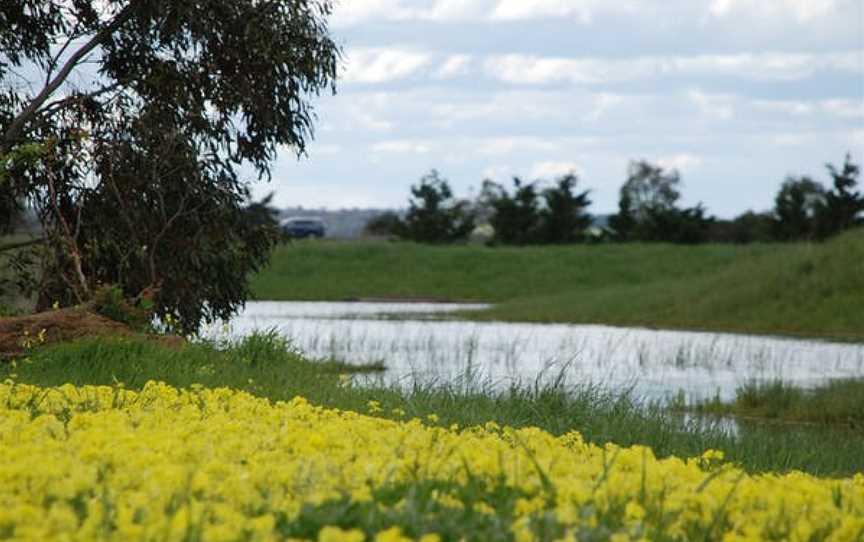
(434,215)
(516,218)
(844,205)
(624,223)
(564,219)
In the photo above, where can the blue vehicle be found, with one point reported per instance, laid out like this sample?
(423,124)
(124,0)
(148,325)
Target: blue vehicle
(303,227)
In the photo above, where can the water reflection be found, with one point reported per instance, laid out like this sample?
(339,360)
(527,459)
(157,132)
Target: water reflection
(654,364)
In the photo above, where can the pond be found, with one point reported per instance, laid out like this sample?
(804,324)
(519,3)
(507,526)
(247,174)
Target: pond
(419,342)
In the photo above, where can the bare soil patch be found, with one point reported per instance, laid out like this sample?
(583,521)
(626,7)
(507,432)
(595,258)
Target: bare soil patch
(21,333)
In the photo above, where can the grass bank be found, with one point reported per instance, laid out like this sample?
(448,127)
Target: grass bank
(795,289)
(264,366)
(839,403)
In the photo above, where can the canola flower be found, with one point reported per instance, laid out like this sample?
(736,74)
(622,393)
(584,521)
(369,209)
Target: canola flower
(93,463)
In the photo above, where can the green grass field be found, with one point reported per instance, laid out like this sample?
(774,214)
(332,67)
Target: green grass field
(264,366)
(795,289)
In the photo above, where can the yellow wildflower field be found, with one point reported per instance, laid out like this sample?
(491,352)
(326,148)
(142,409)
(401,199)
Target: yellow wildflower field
(93,463)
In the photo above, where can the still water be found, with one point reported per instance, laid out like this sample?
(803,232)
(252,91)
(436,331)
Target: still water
(419,343)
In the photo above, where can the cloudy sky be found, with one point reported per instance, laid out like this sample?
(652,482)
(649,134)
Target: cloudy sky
(735,94)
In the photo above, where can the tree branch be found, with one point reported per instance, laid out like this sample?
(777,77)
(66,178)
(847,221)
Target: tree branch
(53,107)
(17,125)
(55,60)
(71,242)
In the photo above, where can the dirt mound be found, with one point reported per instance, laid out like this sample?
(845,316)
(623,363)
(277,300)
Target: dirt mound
(18,334)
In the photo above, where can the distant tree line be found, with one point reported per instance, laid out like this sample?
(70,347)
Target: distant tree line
(540,212)
(528,215)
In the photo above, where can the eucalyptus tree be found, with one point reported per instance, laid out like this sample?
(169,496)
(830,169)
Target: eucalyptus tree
(142,123)
(798,206)
(649,211)
(649,192)
(564,218)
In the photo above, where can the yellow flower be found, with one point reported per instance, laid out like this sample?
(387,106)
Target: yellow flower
(336,534)
(713,455)
(393,534)
(102,462)
(634,511)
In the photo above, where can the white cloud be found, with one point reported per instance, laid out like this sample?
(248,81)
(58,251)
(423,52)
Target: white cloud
(718,106)
(498,171)
(844,108)
(370,121)
(522,106)
(761,66)
(325,150)
(746,13)
(549,170)
(602,103)
(354,12)
(490,146)
(837,107)
(852,61)
(387,64)
(562,108)
(509,145)
(367,112)
(581,10)
(683,162)
(402,147)
(786,107)
(454,66)
(457,10)
(801,10)
(526,69)
(380,65)
(789,140)
(523,69)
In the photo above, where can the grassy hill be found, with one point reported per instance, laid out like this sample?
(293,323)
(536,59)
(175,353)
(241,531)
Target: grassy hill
(806,289)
